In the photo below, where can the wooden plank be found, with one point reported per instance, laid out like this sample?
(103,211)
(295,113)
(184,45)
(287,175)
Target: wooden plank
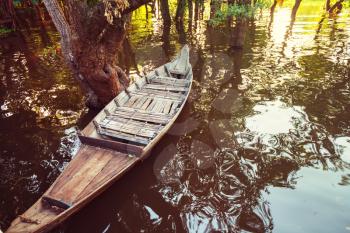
(167,70)
(140,102)
(173,108)
(159,106)
(140,82)
(121,98)
(171,81)
(167,106)
(165,87)
(131,101)
(114,145)
(181,65)
(161,94)
(160,71)
(148,93)
(77,181)
(131,122)
(131,88)
(140,117)
(126,128)
(84,150)
(150,76)
(125,136)
(151,106)
(147,102)
(131,110)
(112,169)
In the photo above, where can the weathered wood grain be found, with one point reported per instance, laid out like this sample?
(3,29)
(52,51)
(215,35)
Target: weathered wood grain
(164,87)
(181,65)
(146,117)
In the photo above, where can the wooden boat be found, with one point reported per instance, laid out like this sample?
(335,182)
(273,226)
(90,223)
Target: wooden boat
(121,135)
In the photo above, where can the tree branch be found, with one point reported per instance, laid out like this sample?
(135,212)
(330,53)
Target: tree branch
(61,24)
(336,5)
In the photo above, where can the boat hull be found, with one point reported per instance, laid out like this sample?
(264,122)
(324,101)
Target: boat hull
(119,137)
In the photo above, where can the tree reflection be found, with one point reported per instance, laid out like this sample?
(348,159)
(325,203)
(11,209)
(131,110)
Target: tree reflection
(291,25)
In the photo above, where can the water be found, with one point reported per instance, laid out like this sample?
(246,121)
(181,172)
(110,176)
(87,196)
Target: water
(263,144)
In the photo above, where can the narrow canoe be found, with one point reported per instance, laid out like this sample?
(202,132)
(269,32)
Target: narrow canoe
(120,136)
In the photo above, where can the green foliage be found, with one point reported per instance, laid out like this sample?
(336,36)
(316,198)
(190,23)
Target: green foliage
(5,31)
(238,10)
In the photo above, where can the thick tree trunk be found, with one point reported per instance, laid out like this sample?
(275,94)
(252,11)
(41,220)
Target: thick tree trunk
(92,36)
(97,63)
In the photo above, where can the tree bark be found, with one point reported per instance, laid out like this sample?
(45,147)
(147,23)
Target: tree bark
(338,5)
(91,37)
(61,25)
(328,5)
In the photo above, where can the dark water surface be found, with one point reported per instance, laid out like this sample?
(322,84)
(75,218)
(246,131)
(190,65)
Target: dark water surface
(263,144)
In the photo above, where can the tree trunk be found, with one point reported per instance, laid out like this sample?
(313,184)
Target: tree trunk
(328,5)
(91,37)
(338,5)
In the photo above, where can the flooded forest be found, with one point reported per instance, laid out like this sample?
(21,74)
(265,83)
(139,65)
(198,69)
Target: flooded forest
(261,145)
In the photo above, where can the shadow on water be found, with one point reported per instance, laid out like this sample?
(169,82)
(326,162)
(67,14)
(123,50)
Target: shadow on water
(262,145)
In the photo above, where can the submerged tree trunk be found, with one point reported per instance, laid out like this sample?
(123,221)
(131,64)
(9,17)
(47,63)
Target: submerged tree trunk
(91,36)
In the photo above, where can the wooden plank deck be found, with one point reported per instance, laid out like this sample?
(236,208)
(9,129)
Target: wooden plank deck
(91,168)
(170,81)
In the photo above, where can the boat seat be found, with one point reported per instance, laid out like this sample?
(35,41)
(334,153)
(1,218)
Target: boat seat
(165,87)
(170,81)
(139,115)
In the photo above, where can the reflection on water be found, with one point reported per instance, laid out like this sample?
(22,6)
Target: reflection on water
(262,145)
(40,103)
